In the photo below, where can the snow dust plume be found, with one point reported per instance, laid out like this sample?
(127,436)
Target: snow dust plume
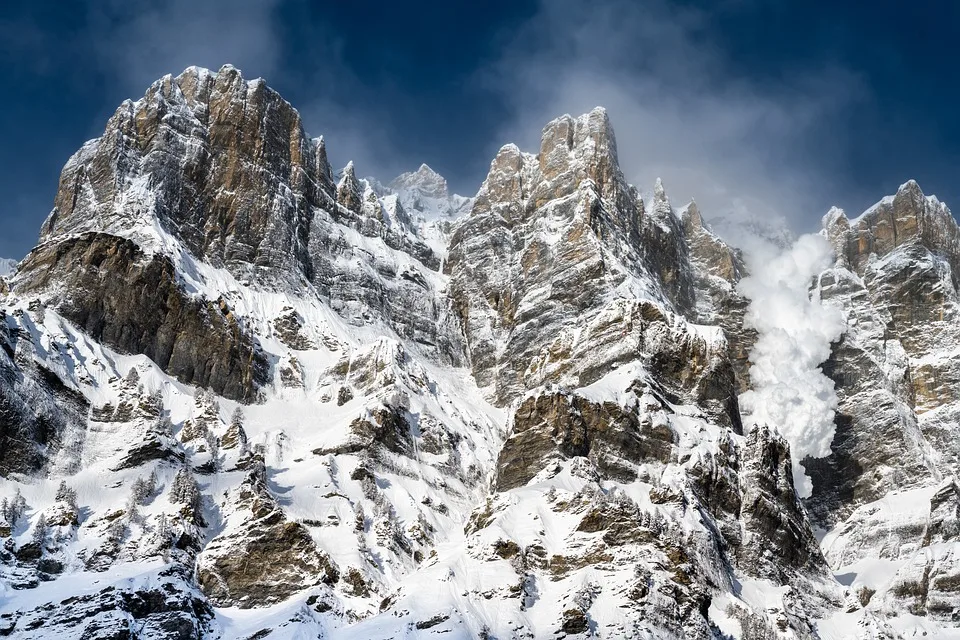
(790,392)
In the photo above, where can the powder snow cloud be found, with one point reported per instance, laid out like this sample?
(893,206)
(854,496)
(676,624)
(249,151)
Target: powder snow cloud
(790,392)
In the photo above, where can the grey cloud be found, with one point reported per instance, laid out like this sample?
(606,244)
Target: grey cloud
(141,41)
(738,147)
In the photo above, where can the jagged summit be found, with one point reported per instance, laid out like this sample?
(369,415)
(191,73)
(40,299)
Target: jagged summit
(906,218)
(425,180)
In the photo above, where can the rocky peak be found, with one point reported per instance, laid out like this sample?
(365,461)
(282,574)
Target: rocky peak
(425,180)
(905,218)
(423,198)
(692,219)
(660,200)
(220,163)
(553,241)
(836,227)
(349,193)
(322,164)
(585,146)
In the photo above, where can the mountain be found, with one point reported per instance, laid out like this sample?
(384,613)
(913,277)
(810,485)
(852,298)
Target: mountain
(7,266)
(242,396)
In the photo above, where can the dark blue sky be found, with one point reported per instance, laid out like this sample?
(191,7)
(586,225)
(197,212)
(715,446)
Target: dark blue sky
(748,105)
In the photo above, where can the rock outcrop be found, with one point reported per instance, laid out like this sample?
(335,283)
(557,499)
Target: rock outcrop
(134,303)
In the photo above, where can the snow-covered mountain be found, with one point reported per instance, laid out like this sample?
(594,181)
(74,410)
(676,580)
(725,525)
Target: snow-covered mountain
(7,266)
(242,396)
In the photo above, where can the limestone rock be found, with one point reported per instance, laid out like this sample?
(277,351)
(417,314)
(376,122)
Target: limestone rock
(266,558)
(133,302)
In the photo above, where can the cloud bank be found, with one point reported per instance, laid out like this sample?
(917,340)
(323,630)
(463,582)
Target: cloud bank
(681,112)
(790,392)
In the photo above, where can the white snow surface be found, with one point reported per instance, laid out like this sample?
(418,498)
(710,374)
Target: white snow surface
(7,266)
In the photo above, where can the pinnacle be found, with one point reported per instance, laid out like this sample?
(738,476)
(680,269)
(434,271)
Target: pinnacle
(834,215)
(659,193)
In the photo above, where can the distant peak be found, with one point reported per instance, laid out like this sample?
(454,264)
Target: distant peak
(425,180)
(691,212)
(910,185)
(7,266)
(658,188)
(659,193)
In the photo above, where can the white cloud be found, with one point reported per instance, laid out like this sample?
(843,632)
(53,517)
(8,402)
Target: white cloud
(790,392)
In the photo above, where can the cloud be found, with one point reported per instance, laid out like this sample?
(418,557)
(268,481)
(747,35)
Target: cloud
(138,42)
(790,392)
(739,147)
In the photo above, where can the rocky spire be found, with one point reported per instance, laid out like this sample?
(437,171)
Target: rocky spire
(661,203)
(322,164)
(349,194)
(836,227)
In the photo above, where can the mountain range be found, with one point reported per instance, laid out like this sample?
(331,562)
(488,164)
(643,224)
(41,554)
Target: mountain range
(245,396)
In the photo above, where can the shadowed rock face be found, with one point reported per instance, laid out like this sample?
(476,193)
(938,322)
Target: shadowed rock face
(560,426)
(896,280)
(106,286)
(37,410)
(778,535)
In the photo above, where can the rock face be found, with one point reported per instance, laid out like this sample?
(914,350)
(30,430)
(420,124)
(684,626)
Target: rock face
(219,161)
(233,379)
(268,560)
(565,427)
(106,286)
(896,373)
(894,368)
(556,236)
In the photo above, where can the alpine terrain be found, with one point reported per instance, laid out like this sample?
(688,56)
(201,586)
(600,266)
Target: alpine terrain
(243,395)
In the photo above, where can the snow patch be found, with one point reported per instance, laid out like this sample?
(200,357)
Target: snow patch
(7,266)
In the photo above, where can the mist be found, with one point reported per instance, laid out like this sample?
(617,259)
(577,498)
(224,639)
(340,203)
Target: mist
(740,148)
